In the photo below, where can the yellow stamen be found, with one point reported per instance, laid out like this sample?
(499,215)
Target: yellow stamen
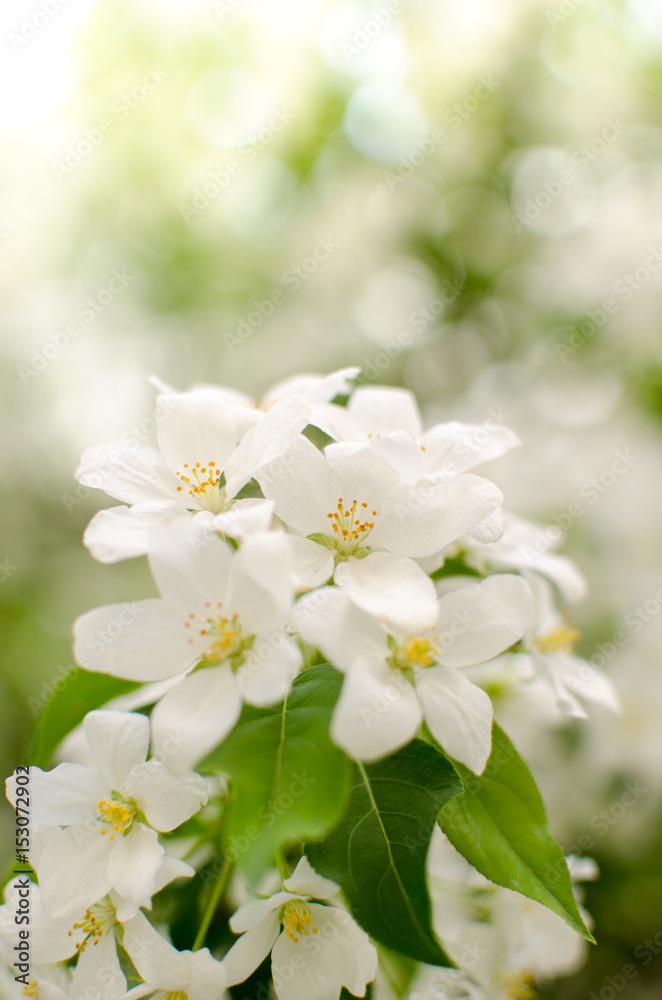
(349,530)
(561,640)
(118,814)
(296,920)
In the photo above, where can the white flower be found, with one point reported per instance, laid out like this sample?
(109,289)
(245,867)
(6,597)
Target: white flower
(395,679)
(528,548)
(221,609)
(319,950)
(111,815)
(550,657)
(169,974)
(366,519)
(199,445)
(377,412)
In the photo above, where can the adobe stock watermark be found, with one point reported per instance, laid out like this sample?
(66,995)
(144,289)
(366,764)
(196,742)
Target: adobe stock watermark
(565,9)
(32,26)
(7,568)
(218,180)
(624,289)
(452,119)
(292,279)
(77,152)
(554,188)
(86,312)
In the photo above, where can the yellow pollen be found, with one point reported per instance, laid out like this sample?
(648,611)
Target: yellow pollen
(520,987)
(119,815)
(561,640)
(296,920)
(32,990)
(350,530)
(223,635)
(203,485)
(416,653)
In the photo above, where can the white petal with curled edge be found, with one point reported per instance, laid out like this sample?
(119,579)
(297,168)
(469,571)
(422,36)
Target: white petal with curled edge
(315,388)
(190,564)
(134,862)
(490,529)
(73,870)
(194,427)
(68,794)
(458,714)
(265,677)
(171,869)
(132,473)
(167,800)
(251,949)
(118,742)
(144,641)
(305,880)
(393,589)
(588,683)
(377,712)
(329,620)
(481,620)
(266,441)
(195,716)
(122,532)
(159,964)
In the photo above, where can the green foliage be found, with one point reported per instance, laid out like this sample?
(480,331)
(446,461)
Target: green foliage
(78,693)
(289,780)
(377,852)
(499,825)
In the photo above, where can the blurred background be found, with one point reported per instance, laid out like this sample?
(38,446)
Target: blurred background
(462,198)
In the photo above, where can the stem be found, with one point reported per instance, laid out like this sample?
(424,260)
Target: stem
(217,893)
(282,866)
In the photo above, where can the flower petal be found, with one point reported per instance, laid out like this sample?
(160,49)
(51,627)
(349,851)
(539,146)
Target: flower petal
(196,716)
(250,914)
(251,949)
(132,473)
(134,863)
(458,714)
(194,427)
(330,621)
(481,620)
(66,795)
(167,800)
(265,677)
(266,441)
(245,518)
(453,448)
(303,487)
(305,880)
(377,712)
(118,742)
(156,960)
(312,564)
(190,564)
(89,979)
(261,588)
(424,519)
(144,641)
(395,590)
(73,870)
(379,410)
(122,532)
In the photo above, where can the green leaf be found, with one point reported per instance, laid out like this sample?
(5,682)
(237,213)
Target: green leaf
(499,825)
(377,852)
(74,695)
(289,780)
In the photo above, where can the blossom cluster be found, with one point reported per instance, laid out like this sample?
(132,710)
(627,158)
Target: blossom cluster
(321,524)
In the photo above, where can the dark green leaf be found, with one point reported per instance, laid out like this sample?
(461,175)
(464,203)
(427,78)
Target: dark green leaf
(74,695)
(290,781)
(499,825)
(377,852)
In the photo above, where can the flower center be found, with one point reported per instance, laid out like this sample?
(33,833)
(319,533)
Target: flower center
(202,483)
(520,987)
(414,654)
(222,636)
(32,990)
(561,640)
(296,920)
(350,526)
(97,920)
(117,813)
